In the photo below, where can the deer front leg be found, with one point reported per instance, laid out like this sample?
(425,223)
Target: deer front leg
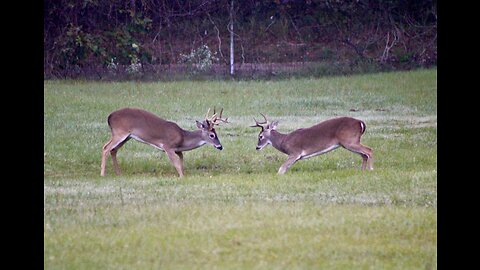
(289,162)
(176,161)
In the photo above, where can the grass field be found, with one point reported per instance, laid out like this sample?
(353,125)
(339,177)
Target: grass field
(231,210)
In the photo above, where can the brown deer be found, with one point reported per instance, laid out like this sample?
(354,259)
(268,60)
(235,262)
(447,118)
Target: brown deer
(321,138)
(146,127)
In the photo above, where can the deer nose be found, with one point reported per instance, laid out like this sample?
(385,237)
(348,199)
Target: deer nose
(258,148)
(219,147)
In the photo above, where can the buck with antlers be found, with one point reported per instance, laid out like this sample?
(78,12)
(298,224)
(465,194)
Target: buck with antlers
(319,139)
(146,127)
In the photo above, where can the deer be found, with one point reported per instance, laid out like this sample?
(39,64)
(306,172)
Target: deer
(319,139)
(167,136)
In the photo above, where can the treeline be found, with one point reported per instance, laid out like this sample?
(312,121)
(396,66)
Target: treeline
(101,38)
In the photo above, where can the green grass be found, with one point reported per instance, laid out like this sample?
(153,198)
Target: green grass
(232,211)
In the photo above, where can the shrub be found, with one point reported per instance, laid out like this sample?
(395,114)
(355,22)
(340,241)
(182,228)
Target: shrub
(200,59)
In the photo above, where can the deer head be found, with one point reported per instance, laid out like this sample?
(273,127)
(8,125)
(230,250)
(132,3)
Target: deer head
(207,127)
(265,133)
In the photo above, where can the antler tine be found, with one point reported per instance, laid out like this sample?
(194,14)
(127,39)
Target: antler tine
(212,118)
(256,123)
(223,120)
(219,118)
(264,117)
(214,115)
(206,115)
(221,111)
(259,124)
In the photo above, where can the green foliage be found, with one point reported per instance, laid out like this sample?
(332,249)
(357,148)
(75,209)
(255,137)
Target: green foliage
(78,47)
(200,59)
(128,50)
(81,36)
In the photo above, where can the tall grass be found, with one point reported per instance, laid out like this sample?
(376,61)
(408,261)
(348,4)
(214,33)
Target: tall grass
(232,211)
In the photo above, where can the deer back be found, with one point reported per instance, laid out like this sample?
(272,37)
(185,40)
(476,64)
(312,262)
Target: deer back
(145,125)
(325,134)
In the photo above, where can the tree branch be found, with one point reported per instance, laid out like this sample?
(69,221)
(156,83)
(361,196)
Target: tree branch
(218,37)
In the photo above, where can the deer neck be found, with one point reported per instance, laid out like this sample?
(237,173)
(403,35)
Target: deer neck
(277,140)
(191,140)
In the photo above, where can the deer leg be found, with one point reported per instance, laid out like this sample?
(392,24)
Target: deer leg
(365,152)
(112,147)
(113,153)
(370,158)
(289,162)
(370,162)
(176,161)
(105,150)
(180,155)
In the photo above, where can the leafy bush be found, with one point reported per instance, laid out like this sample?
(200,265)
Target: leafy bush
(200,59)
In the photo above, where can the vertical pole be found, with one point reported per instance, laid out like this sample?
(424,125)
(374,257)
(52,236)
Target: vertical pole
(231,40)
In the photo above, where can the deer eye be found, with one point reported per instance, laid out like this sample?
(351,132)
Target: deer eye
(261,137)
(212,135)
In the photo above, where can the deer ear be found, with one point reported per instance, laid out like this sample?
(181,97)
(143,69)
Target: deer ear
(273,125)
(200,125)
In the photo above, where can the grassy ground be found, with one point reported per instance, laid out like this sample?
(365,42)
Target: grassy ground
(232,211)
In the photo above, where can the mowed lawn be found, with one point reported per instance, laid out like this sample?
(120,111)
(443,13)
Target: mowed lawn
(231,210)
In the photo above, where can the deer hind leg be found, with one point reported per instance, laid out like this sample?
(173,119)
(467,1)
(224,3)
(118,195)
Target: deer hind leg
(105,150)
(180,155)
(177,160)
(289,162)
(112,147)
(113,152)
(365,152)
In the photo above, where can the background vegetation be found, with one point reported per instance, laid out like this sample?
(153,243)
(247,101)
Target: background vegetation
(149,39)
(232,211)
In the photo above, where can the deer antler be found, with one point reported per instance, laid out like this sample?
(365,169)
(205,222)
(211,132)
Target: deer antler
(214,119)
(259,124)
(218,119)
(206,115)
